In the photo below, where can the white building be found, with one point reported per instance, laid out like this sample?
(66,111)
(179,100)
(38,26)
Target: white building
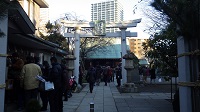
(44,18)
(110,11)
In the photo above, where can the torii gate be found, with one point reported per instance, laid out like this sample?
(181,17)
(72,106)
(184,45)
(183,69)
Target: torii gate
(123,34)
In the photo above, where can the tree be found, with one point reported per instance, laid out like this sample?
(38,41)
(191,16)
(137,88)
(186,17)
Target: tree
(2,13)
(90,45)
(87,44)
(154,20)
(185,13)
(162,49)
(54,35)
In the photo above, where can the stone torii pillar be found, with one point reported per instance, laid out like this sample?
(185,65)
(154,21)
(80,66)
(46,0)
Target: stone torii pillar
(76,52)
(124,51)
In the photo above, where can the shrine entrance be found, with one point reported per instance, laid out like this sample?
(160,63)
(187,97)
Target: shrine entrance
(99,29)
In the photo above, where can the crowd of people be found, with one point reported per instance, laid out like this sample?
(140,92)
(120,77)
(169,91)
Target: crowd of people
(146,72)
(98,73)
(24,88)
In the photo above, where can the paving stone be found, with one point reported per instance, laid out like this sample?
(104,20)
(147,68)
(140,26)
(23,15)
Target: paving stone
(109,99)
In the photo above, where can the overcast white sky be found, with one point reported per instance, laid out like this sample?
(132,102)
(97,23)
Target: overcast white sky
(82,8)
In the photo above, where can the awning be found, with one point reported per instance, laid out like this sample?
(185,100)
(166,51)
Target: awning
(42,3)
(19,21)
(32,42)
(21,30)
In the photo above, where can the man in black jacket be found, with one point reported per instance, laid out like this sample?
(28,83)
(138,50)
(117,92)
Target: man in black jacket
(118,71)
(55,96)
(91,77)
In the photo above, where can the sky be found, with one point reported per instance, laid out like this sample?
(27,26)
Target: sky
(82,8)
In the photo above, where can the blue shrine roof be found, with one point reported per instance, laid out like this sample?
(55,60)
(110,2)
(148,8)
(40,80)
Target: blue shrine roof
(112,52)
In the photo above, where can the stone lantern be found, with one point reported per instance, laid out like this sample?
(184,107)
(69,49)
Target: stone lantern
(70,64)
(131,66)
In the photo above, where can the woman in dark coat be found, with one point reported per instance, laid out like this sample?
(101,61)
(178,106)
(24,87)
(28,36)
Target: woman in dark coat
(43,94)
(55,95)
(118,75)
(90,77)
(153,75)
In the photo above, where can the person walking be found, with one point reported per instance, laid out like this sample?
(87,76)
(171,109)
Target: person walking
(91,77)
(110,74)
(80,75)
(144,70)
(98,74)
(152,74)
(113,74)
(28,79)
(55,95)
(118,71)
(105,74)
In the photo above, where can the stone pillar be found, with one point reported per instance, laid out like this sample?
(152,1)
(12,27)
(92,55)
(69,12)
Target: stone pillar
(136,76)
(70,64)
(123,50)
(131,67)
(76,53)
(3,52)
(184,76)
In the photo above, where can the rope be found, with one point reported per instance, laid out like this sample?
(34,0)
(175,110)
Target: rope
(2,86)
(196,52)
(3,55)
(190,84)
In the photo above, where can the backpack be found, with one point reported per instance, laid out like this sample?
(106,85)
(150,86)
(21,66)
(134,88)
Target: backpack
(98,72)
(70,82)
(109,71)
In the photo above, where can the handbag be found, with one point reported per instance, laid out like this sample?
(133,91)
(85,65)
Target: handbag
(41,86)
(159,80)
(49,86)
(9,84)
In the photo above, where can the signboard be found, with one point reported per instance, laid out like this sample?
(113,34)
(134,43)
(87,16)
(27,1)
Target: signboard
(100,28)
